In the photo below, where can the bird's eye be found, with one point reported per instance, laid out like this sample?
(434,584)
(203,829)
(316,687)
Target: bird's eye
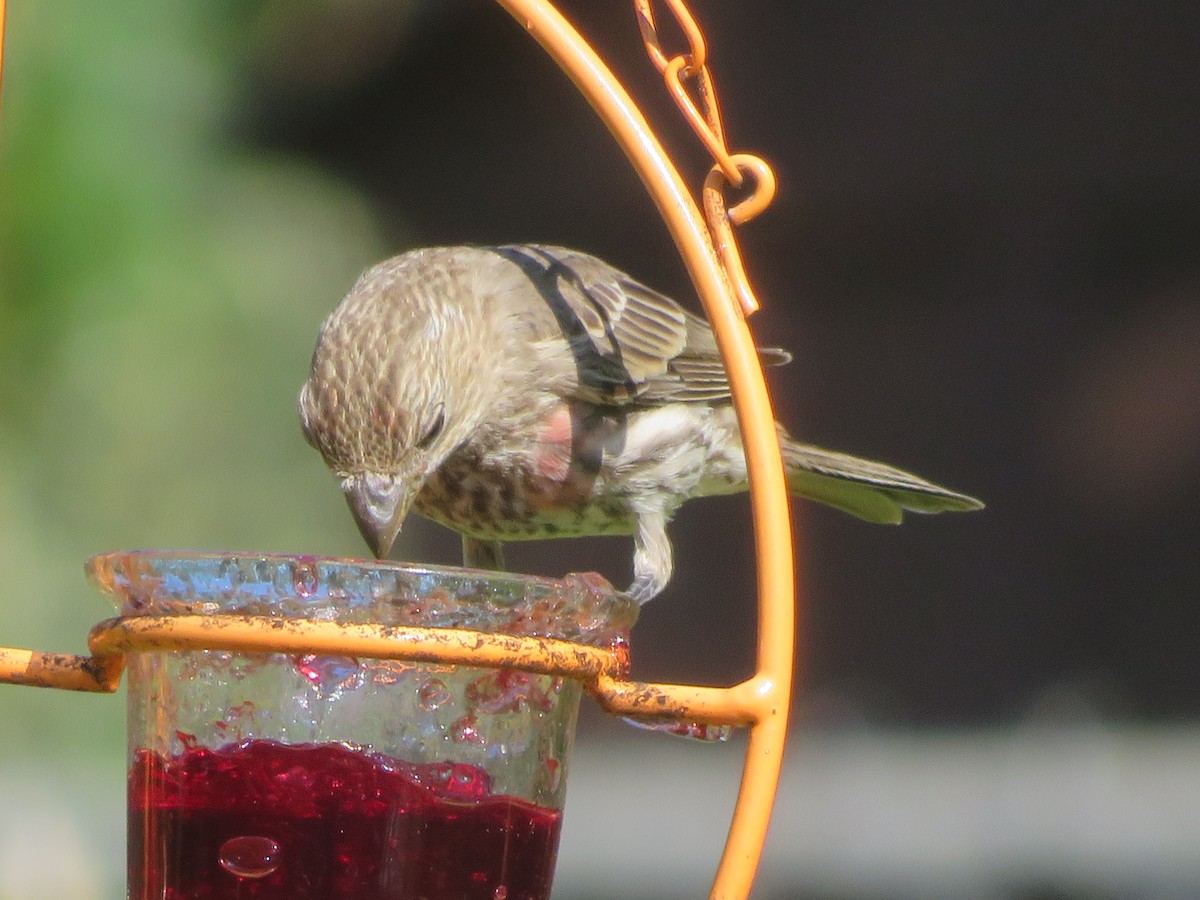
(435,428)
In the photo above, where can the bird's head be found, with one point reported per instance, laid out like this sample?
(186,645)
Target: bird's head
(381,403)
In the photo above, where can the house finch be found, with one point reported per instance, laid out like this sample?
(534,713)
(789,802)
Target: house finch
(528,391)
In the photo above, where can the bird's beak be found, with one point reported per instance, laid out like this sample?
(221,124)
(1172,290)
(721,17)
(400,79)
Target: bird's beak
(379,504)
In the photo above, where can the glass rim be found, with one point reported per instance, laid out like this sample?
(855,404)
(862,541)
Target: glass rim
(580,607)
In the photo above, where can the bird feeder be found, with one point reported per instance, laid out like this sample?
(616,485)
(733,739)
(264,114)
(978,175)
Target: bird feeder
(309,727)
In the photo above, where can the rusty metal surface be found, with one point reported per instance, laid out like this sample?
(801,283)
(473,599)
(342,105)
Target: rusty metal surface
(65,671)
(259,634)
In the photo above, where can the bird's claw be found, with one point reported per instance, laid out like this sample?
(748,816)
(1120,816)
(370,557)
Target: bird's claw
(644,588)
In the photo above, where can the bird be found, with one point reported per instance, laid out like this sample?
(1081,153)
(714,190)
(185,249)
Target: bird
(530,391)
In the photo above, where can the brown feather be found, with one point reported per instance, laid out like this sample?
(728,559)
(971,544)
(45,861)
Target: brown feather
(632,345)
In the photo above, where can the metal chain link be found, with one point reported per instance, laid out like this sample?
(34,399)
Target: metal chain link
(691,86)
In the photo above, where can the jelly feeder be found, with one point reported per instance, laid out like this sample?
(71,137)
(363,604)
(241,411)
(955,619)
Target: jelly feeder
(311,727)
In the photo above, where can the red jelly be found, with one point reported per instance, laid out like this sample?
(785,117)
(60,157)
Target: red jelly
(261,819)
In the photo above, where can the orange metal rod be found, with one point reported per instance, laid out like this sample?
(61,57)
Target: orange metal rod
(596,667)
(737,705)
(263,634)
(772,524)
(33,668)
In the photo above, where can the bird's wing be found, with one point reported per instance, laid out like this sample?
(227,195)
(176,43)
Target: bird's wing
(630,343)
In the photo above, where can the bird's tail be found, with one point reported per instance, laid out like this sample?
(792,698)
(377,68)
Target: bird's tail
(870,490)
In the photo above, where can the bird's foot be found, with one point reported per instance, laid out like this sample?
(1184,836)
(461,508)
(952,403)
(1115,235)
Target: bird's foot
(644,588)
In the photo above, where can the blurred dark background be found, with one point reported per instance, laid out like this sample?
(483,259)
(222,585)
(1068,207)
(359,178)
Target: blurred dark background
(984,255)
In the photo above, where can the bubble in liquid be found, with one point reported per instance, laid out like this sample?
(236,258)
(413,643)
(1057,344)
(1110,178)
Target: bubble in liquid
(386,672)
(305,665)
(304,579)
(507,691)
(328,673)
(501,893)
(458,781)
(465,731)
(249,856)
(432,694)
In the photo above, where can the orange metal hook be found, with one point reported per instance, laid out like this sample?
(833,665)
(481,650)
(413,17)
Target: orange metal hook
(721,220)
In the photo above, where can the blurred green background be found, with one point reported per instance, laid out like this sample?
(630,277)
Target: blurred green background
(160,287)
(159,293)
(984,254)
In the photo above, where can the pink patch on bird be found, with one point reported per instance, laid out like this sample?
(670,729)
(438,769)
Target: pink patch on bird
(553,452)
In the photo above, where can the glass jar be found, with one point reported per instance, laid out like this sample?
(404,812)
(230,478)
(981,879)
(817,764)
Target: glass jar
(257,775)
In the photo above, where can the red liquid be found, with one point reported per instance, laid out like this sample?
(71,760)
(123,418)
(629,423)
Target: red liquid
(263,820)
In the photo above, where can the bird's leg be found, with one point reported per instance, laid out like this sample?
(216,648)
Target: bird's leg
(481,554)
(652,562)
